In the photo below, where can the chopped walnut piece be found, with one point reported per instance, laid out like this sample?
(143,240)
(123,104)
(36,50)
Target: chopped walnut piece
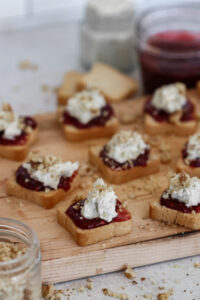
(163,296)
(129,273)
(10,251)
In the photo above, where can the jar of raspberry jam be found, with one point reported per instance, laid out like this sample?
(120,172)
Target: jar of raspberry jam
(169,45)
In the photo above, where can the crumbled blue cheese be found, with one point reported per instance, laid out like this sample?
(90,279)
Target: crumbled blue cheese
(86,105)
(193,148)
(170,98)
(126,145)
(100,203)
(185,189)
(9,123)
(49,170)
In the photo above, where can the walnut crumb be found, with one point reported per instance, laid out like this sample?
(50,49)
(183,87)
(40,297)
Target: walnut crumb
(110,293)
(81,289)
(197,265)
(89,286)
(129,273)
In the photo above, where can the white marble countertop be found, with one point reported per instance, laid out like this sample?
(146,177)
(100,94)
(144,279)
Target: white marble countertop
(55,49)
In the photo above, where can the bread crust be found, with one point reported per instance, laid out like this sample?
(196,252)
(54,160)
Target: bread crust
(74,134)
(84,237)
(182,166)
(69,87)
(118,177)
(44,199)
(19,152)
(178,128)
(114,85)
(172,216)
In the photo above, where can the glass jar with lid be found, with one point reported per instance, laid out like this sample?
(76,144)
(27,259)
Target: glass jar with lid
(20,262)
(169,45)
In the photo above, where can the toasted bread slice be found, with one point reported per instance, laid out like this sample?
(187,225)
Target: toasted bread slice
(19,152)
(69,87)
(114,85)
(74,134)
(172,216)
(45,199)
(85,237)
(182,166)
(118,177)
(178,128)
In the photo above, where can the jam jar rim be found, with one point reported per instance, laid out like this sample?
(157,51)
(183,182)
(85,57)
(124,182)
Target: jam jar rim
(32,255)
(142,42)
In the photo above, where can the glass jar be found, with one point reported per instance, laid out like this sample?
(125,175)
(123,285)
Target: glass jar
(20,278)
(168,39)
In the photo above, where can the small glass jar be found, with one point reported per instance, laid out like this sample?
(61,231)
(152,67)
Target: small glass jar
(20,278)
(169,45)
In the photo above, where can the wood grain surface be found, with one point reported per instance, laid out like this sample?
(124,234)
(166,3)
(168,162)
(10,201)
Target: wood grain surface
(149,241)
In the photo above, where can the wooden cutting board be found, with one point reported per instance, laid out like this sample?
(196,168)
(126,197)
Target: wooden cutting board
(149,242)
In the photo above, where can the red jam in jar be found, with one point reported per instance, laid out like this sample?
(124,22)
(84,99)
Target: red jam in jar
(162,116)
(140,161)
(105,115)
(180,206)
(169,46)
(74,212)
(20,139)
(25,180)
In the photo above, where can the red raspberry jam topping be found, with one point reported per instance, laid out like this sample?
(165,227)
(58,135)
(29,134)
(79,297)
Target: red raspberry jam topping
(162,116)
(140,161)
(20,139)
(177,205)
(74,212)
(105,114)
(195,163)
(25,180)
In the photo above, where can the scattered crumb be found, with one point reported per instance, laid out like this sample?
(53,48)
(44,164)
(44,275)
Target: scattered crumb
(142,278)
(134,282)
(150,297)
(81,289)
(27,65)
(45,88)
(176,266)
(161,288)
(129,273)
(89,280)
(127,118)
(49,292)
(110,293)
(89,286)
(197,265)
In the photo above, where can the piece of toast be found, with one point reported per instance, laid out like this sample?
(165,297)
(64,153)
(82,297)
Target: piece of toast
(118,177)
(85,237)
(68,87)
(178,128)
(114,85)
(19,152)
(74,134)
(182,166)
(45,199)
(172,216)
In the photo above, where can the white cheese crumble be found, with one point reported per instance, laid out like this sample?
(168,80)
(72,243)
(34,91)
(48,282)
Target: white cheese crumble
(85,105)
(9,123)
(126,145)
(100,202)
(170,98)
(193,148)
(185,189)
(49,170)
